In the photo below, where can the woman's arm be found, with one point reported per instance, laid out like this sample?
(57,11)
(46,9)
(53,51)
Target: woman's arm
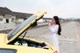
(50,23)
(54,29)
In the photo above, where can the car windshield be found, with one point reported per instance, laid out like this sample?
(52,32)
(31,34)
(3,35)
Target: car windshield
(21,26)
(3,50)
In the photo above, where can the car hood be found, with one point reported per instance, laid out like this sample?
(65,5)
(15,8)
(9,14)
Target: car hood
(15,33)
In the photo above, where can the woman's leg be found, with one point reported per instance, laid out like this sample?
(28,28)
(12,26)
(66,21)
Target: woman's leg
(55,42)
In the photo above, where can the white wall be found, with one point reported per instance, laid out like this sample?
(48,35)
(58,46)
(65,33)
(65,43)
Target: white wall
(20,20)
(12,19)
(3,20)
(41,20)
(7,17)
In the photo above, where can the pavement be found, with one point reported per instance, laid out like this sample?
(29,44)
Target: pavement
(6,26)
(69,41)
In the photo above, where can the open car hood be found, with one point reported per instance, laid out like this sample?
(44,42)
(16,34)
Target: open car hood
(15,33)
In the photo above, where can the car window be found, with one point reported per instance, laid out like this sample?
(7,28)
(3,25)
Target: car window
(21,26)
(2,50)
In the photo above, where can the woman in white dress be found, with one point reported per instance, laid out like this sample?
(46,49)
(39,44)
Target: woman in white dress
(55,29)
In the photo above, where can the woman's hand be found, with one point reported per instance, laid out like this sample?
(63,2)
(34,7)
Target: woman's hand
(50,23)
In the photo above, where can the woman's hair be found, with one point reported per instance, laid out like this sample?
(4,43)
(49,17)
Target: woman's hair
(58,23)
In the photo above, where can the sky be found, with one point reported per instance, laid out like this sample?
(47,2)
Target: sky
(61,8)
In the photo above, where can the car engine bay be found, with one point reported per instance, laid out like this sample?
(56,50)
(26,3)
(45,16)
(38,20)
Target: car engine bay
(29,43)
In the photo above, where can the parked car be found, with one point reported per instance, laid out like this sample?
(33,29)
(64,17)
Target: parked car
(15,43)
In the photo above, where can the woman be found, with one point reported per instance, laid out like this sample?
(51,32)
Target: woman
(55,29)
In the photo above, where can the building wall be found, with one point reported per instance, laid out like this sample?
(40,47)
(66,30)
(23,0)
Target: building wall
(1,19)
(6,17)
(20,20)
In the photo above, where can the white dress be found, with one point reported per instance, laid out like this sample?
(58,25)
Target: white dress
(54,29)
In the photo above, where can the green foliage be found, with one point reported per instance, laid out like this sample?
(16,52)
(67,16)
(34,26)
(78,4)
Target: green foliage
(78,20)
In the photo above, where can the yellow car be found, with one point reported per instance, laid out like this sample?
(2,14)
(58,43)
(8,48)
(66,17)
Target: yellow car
(15,43)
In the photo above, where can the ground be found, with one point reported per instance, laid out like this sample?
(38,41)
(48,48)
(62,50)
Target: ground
(69,40)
